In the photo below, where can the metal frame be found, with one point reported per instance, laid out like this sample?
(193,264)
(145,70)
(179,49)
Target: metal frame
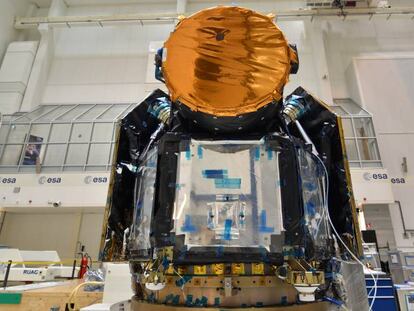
(360,162)
(172,17)
(86,164)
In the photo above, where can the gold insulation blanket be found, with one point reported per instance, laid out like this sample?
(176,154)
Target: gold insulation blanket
(226,61)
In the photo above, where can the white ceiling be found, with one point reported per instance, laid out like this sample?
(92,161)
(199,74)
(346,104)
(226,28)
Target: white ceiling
(106,2)
(46,3)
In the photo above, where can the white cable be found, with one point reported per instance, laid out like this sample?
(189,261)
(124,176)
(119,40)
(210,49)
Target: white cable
(306,137)
(339,237)
(325,203)
(323,214)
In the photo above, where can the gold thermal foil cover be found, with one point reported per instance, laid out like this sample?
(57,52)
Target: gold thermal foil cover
(226,61)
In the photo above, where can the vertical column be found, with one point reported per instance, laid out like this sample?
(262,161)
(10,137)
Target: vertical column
(44,57)
(181,6)
(40,69)
(315,31)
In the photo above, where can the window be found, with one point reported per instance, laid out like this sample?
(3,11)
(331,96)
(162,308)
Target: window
(60,132)
(81,132)
(101,132)
(60,138)
(55,155)
(99,154)
(360,140)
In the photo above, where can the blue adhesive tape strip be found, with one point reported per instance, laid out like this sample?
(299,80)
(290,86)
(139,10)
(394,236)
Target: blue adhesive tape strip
(188,226)
(217,301)
(310,208)
(227,183)
(278,183)
(176,300)
(189,300)
(168,298)
(310,186)
(220,251)
(213,174)
(200,152)
(269,154)
(263,220)
(182,281)
(227,229)
(151,298)
(257,153)
(204,301)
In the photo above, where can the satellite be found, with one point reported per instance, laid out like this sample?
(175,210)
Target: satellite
(242,196)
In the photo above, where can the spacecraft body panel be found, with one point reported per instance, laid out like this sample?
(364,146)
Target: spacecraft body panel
(229,200)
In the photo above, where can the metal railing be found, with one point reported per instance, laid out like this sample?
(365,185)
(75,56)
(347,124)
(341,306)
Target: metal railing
(61,138)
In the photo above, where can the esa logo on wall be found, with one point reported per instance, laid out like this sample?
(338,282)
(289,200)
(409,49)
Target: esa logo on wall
(373,176)
(381,176)
(7,180)
(367,176)
(95,180)
(49,180)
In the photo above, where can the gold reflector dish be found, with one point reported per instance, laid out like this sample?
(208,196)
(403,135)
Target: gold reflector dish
(226,61)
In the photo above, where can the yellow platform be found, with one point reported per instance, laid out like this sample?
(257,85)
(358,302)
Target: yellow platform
(57,296)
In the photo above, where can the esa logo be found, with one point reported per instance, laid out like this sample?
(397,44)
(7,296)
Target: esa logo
(95,180)
(50,180)
(7,180)
(368,176)
(398,180)
(31,272)
(395,180)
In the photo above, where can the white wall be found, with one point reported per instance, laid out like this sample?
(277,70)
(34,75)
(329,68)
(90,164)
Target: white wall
(109,63)
(53,231)
(350,38)
(72,189)
(386,89)
(98,65)
(387,92)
